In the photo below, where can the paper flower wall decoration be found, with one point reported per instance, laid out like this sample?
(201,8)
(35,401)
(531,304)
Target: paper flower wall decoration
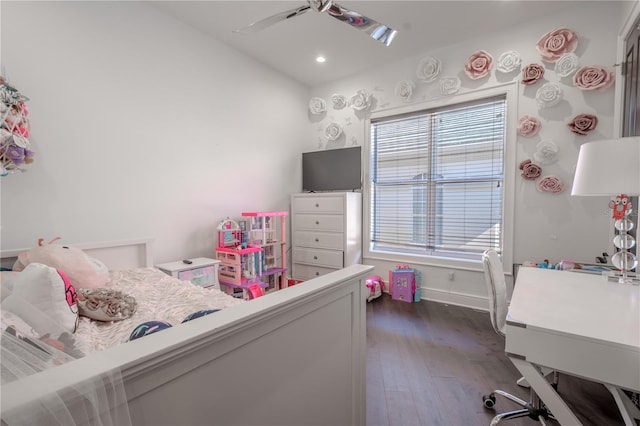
(361,100)
(546,152)
(582,124)
(449,85)
(508,61)
(333,131)
(567,64)
(532,73)
(528,126)
(317,105)
(404,89)
(593,77)
(15,149)
(478,65)
(530,170)
(556,43)
(428,69)
(551,184)
(550,94)
(338,101)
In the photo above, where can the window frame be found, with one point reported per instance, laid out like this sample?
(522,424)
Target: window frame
(510,92)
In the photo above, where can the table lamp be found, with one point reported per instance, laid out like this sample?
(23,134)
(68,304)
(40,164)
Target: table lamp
(612,168)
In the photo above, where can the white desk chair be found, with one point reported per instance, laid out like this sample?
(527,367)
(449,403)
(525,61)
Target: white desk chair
(497,289)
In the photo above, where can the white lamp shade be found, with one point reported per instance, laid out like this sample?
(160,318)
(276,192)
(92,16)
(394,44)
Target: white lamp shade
(608,167)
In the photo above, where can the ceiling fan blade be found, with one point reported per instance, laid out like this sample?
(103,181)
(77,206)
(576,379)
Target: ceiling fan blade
(376,30)
(274,19)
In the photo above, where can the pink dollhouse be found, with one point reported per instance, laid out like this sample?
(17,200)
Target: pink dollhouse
(262,231)
(241,264)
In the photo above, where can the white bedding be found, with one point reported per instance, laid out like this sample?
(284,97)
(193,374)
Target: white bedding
(159,298)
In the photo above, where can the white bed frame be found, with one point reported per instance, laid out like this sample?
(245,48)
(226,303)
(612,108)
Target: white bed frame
(292,357)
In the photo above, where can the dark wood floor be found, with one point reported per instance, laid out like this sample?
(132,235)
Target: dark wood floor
(429,364)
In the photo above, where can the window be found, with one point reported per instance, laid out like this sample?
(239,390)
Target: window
(436,180)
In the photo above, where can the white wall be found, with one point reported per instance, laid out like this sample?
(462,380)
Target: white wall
(142,126)
(547,226)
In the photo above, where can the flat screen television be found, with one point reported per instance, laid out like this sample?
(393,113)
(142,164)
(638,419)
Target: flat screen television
(332,170)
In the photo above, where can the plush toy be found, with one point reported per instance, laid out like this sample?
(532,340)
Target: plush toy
(375,284)
(82,270)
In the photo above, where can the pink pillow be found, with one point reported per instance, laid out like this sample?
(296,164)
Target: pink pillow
(82,270)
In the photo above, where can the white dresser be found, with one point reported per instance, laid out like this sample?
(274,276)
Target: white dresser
(326,232)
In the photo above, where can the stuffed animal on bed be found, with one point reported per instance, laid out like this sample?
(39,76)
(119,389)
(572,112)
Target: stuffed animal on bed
(83,271)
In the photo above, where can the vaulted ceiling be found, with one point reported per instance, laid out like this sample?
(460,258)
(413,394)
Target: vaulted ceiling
(291,46)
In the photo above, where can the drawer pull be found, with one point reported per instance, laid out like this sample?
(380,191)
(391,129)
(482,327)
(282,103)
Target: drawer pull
(317,222)
(317,274)
(317,240)
(315,257)
(317,205)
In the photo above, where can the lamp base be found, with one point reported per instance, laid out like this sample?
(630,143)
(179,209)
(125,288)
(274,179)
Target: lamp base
(628,278)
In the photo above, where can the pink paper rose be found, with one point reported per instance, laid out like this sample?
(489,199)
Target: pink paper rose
(528,126)
(478,65)
(593,77)
(551,184)
(582,124)
(556,43)
(530,171)
(532,73)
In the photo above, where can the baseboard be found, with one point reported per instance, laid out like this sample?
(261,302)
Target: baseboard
(458,299)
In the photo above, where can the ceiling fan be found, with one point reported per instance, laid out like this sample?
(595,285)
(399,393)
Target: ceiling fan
(376,30)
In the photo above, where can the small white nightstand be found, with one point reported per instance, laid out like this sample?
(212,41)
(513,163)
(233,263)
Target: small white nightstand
(201,271)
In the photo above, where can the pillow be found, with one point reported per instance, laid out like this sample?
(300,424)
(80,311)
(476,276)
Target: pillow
(45,299)
(105,304)
(147,328)
(82,270)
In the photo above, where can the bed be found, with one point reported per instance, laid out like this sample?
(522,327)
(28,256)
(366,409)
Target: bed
(291,357)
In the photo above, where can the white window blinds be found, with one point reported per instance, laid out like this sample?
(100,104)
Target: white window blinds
(436,180)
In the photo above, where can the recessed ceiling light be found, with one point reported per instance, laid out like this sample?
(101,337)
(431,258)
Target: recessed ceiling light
(320,59)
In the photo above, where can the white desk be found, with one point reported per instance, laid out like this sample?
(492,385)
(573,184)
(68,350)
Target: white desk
(576,323)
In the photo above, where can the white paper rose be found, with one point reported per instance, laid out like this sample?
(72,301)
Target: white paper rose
(404,89)
(428,69)
(338,101)
(361,100)
(509,61)
(449,85)
(333,131)
(317,105)
(567,64)
(546,152)
(550,94)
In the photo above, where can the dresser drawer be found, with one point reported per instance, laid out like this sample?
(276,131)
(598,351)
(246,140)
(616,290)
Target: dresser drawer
(327,222)
(328,204)
(326,240)
(307,272)
(331,258)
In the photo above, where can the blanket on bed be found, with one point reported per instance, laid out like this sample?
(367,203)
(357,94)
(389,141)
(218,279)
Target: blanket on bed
(159,297)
